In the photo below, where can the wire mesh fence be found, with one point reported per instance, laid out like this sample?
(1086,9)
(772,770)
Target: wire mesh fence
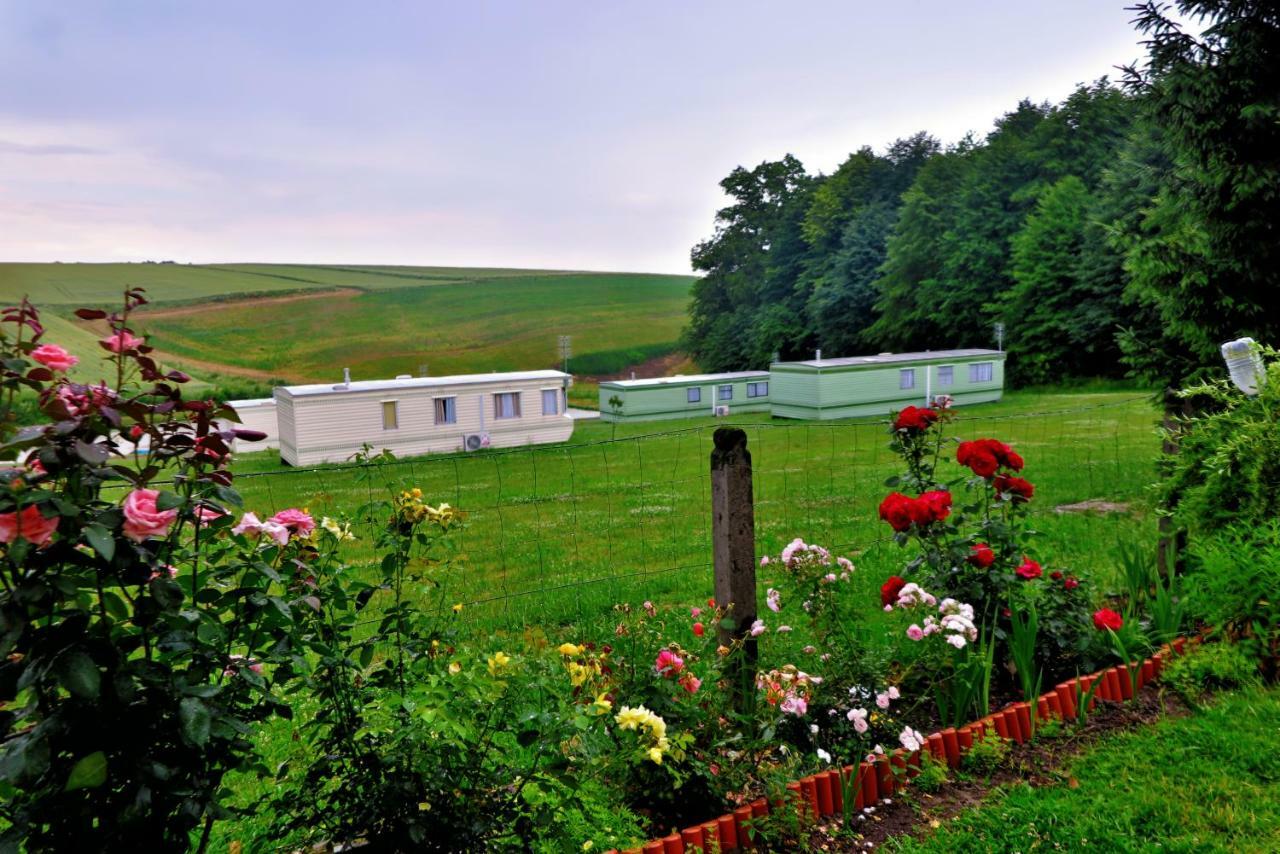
(561,533)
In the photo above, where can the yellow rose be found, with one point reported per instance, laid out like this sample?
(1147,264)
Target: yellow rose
(455,668)
(569,649)
(655,755)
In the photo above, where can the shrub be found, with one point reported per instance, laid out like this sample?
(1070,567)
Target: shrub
(140,638)
(1228,461)
(1232,582)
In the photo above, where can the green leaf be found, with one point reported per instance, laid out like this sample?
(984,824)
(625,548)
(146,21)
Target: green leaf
(79,675)
(89,773)
(196,720)
(168,501)
(100,539)
(115,605)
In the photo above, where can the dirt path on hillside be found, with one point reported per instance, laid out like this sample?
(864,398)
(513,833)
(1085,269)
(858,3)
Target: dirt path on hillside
(203,306)
(659,366)
(202,368)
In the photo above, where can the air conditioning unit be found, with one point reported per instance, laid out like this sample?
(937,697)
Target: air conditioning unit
(475,441)
(722,411)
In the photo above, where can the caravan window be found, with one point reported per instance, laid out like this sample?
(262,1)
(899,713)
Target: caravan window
(506,404)
(946,375)
(550,401)
(695,395)
(907,378)
(726,392)
(390,415)
(757,389)
(446,410)
(980,373)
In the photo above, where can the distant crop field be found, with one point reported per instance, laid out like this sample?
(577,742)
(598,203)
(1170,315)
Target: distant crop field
(300,323)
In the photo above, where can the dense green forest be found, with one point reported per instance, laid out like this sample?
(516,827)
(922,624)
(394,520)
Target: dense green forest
(1129,229)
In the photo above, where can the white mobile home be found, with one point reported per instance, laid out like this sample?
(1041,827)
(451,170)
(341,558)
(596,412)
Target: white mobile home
(256,414)
(419,415)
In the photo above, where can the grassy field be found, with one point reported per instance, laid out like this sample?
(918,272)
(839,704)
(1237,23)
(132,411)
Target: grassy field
(561,533)
(247,321)
(1210,782)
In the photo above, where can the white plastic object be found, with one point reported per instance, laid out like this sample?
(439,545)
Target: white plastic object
(1244,363)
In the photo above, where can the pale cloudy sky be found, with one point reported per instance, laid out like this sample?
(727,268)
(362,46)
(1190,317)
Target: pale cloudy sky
(581,135)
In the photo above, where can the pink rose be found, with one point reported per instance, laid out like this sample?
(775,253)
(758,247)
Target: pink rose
(794,705)
(142,519)
(205,515)
(29,524)
(54,357)
(690,683)
(915,632)
(295,520)
(668,663)
(121,342)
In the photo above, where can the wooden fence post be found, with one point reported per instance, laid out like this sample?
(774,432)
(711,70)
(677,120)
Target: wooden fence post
(733,543)
(1172,543)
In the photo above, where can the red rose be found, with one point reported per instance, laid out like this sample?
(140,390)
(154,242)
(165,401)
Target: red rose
(981,555)
(1105,618)
(985,456)
(915,418)
(938,503)
(896,510)
(1018,490)
(698,629)
(890,589)
(1055,575)
(1070,583)
(976,456)
(1029,569)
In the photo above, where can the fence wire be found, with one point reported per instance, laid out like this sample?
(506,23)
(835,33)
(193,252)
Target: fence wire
(561,533)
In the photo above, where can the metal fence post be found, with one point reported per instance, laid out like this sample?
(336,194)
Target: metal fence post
(733,543)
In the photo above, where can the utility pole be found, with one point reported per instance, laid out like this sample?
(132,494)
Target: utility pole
(566,350)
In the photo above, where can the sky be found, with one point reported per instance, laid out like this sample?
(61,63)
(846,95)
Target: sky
(565,135)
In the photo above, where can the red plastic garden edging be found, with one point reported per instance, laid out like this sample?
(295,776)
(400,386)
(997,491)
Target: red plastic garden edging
(821,795)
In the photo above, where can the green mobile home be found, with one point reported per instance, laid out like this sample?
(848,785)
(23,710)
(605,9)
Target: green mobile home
(875,385)
(684,396)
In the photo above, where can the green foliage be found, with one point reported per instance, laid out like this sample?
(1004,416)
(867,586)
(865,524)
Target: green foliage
(986,755)
(933,774)
(1024,630)
(141,642)
(1227,469)
(1205,258)
(1210,668)
(1232,583)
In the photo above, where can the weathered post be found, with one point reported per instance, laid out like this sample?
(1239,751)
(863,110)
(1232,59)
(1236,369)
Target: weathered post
(733,543)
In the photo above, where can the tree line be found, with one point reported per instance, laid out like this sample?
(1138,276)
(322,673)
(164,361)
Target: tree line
(1129,229)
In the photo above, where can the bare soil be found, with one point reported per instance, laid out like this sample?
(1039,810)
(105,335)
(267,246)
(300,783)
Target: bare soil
(204,306)
(1093,505)
(659,366)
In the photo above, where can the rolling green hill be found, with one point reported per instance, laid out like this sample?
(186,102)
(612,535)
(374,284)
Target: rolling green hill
(255,323)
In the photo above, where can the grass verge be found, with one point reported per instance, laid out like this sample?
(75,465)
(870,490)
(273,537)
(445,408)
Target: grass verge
(1207,782)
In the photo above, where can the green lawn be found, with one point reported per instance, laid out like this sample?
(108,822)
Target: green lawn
(560,533)
(1209,782)
(388,321)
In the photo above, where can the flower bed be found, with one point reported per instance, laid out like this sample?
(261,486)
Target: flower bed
(846,792)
